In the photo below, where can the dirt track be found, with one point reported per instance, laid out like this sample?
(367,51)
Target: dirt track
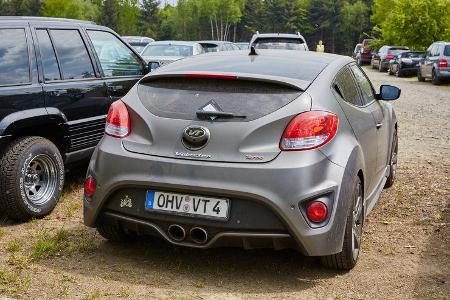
(406,246)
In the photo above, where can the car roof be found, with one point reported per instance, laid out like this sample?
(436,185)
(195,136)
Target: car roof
(282,35)
(269,65)
(214,42)
(180,43)
(43,19)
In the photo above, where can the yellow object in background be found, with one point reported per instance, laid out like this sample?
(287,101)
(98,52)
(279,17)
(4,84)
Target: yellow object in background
(320,47)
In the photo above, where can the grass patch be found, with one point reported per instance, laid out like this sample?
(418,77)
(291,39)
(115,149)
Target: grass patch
(19,260)
(14,246)
(72,208)
(47,245)
(11,282)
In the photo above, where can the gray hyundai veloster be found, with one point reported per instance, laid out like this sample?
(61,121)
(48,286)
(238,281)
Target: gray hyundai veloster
(263,149)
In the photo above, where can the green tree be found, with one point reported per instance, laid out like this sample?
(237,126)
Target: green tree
(20,7)
(75,9)
(416,23)
(355,21)
(149,19)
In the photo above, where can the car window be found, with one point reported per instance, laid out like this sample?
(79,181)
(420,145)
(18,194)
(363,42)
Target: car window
(279,43)
(435,50)
(14,61)
(73,57)
(447,50)
(115,57)
(48,57)
(345,86)
(364,84)
(168,50)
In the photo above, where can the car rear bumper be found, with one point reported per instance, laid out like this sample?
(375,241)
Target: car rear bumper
(366,57)
(266,198)
(443,73)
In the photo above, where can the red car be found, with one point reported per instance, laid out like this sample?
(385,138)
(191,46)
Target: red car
(365,54)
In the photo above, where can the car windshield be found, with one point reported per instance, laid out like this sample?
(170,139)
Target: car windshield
(279,43)
(447,50)
(413,54)
(396,51)
(210,47)
(168,50)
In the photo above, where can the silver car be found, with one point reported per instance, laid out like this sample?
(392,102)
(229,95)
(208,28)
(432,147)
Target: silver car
(160,53)
(273,149)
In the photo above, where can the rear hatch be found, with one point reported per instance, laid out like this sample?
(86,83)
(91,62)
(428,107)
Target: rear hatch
(252,136)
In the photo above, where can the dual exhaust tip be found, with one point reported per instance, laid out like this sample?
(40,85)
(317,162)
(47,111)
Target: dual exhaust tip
(197,234)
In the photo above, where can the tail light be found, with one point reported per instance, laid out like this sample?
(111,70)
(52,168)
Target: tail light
(389,56)
(89,186)
(442,63)
(317,211)
(309,130)
(118,121)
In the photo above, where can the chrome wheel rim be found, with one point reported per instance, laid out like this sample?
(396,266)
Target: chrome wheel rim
(40,179)
(357,223)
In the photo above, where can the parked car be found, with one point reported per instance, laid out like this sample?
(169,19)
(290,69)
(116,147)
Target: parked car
(365,54)
(164,52)
(381,58)
(217,46)
(279,41)
(138,42)
(242,45)
(226,150)
(58,78)
(405,63)
(436,64)
(356,51)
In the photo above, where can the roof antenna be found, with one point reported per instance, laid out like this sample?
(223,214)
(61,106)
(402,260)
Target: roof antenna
(252,51)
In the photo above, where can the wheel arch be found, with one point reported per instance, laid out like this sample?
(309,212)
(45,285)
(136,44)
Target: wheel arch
(47,123)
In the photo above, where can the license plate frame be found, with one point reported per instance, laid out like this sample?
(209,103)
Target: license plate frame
(151,196)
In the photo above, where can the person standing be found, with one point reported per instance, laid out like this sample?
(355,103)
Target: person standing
(320,47)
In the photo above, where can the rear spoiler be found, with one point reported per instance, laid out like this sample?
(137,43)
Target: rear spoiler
(297,84)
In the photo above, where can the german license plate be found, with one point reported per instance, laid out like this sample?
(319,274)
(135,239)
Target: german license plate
(187,204)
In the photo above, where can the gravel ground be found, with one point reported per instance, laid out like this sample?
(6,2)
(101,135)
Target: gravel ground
(406,244)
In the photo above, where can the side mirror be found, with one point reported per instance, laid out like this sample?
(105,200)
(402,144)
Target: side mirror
(389,93)
(153,65)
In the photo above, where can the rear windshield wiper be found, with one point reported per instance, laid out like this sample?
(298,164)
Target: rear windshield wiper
(202,114)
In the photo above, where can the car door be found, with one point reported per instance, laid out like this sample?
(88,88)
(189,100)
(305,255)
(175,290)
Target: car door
(380,115)
(121,67)
(19,86)
(428,62)
(71,85)
(361,120)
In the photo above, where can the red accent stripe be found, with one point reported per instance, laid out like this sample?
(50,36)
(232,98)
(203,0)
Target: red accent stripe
(215,76)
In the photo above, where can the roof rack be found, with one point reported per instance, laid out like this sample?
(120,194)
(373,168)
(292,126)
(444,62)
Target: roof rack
(45,19)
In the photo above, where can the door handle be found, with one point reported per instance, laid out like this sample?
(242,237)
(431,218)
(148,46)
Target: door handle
(114,88)
(379,125)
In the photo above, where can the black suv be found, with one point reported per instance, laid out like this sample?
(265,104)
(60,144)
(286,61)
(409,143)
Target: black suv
(58,78)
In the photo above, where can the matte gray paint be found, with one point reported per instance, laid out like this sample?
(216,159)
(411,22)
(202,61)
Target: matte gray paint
(280,183)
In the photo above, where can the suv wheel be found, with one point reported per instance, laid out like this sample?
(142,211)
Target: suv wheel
(419,75)
(347,258)
(393,161)
(31,178)
(434,79)
(398,73)
(380,67)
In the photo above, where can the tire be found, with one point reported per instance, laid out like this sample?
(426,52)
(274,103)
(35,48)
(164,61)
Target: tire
(398,73)
(380,67)
(392,162)
(347,258)
(419,76)
(113,233)
(390,71)
(434,79)
(31,178)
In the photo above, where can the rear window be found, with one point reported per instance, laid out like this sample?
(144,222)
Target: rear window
(210,47)
(396,51)
(14,61)
(168,50)
(413,54)
(279,43)
(447,50)
(181,98)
